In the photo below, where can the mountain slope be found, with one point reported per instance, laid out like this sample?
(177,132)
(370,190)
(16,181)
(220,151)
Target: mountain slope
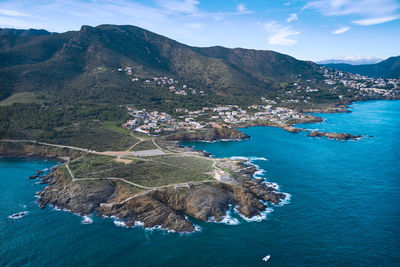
(389,68)
(67,64)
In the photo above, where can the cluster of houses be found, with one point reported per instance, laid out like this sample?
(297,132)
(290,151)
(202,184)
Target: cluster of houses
(155,122)
(169,83)
(366,86)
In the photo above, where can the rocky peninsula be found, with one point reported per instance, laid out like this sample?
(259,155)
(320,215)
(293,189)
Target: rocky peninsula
(169,208)
(166,207)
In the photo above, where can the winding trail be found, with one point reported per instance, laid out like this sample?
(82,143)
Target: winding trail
(118,154)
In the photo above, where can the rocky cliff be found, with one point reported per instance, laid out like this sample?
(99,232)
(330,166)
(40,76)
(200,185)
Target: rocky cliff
(169,208)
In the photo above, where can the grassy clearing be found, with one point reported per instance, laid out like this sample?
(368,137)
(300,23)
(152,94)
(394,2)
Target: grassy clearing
(92,135)
(155,174)
(113,126)
(90,165)
(22,97)
(144,145)
(146,173)
(188,162)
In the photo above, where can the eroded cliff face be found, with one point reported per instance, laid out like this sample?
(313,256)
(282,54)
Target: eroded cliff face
(169,208)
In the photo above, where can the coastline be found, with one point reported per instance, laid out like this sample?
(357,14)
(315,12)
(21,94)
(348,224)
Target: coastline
(177,223)
(162,207)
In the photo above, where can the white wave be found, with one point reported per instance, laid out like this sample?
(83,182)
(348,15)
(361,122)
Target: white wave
(258,218)
(119,223)
(87,220)
(284,201)
(239,158)
(197,228)
(271,184)
(227,219)
(23,206)
(258,158)
(259,173)
(138,223)
(60,209)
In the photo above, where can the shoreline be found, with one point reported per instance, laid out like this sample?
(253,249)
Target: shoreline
(246,193)
(221,215)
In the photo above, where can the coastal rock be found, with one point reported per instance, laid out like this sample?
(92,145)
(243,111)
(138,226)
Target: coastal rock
(79,197)
(291,129)
(338,136)
(209,135)
(167,208)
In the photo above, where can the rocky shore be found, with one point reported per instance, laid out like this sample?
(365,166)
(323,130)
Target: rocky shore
(170,208)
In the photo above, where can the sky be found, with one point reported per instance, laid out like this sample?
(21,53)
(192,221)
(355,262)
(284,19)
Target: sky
(306,29)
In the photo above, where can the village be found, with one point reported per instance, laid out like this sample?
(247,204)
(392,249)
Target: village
(155,122)
(366,86)
(276,111)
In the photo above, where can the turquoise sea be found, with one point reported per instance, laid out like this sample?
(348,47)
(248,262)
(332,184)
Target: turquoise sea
(344,208)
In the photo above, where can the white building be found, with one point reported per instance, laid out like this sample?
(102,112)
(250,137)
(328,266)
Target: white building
(222,176)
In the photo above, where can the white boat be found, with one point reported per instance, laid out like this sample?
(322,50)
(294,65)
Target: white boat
(266,258)
(18,215)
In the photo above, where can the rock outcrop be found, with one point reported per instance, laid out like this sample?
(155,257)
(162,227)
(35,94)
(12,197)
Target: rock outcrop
(338,136)
(169,208)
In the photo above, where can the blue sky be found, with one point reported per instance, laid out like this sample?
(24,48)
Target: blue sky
(305,29)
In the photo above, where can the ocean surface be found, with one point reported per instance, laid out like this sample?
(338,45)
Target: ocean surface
(344,208)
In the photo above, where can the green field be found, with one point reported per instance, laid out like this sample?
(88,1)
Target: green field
(161,171)
(196,164)
(144,145)
(22,97)
(153,174)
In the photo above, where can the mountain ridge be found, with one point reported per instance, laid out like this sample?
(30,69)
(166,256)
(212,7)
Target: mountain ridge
(65,61)
(389,68)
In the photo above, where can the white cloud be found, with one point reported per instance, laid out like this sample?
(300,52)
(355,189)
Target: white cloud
(370,11)
(281,35)
(12,13)
(195,26)
(292,17)
(241,8)
(341,30)
(373,21)
(185,6)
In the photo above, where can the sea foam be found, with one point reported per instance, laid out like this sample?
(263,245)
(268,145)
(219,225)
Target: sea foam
(227,219)
(87,220)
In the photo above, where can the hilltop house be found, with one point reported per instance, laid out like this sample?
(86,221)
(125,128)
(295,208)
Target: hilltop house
(222,176)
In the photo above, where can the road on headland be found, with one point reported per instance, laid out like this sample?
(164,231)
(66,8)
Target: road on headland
(119,154)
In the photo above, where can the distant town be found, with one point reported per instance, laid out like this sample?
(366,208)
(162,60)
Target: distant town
(275,111)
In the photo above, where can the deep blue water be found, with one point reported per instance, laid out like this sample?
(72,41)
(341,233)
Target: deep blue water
(344,208)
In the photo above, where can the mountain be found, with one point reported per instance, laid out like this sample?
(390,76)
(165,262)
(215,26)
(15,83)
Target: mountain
(351,60)
(81,66)
(389,68)
(17,32)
